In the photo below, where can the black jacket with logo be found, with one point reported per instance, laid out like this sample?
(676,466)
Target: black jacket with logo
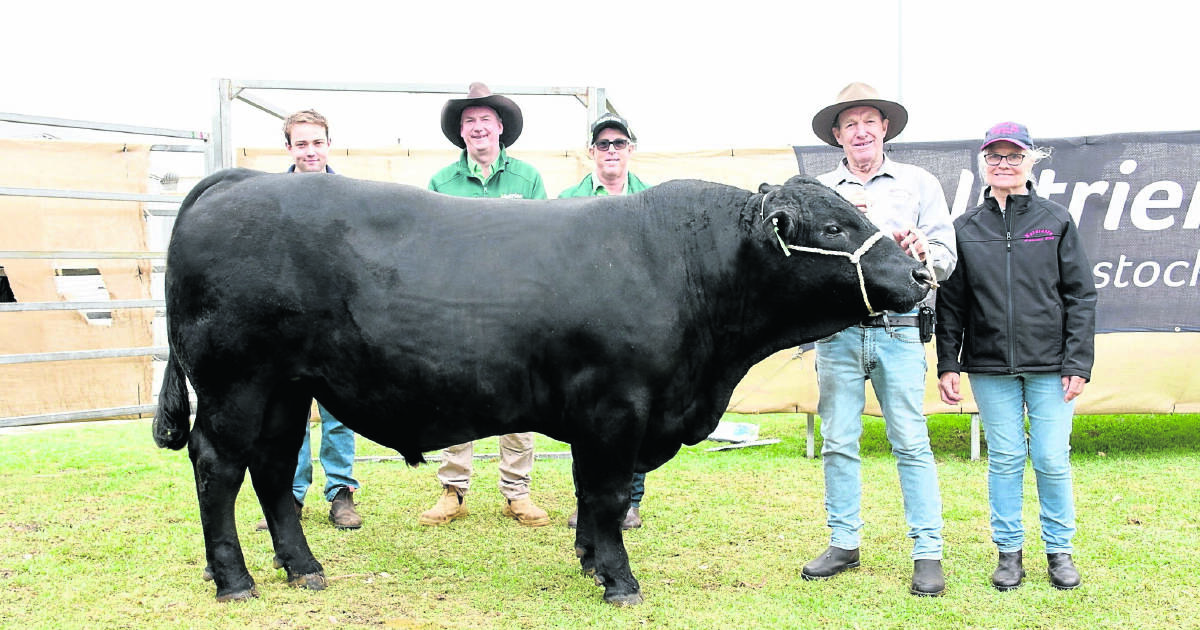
(1022,298)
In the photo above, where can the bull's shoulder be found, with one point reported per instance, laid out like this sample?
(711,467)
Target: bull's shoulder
(694,196)
(678,186)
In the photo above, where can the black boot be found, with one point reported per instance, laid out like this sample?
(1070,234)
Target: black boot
(927,579)
(830,563)
(1063,574)
(1009,572)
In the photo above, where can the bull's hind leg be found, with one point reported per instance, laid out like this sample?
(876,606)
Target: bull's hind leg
(272,467)
(603,501)
(219,475)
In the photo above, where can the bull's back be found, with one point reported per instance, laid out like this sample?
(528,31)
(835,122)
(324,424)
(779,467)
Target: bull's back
(391,267)
(336,279)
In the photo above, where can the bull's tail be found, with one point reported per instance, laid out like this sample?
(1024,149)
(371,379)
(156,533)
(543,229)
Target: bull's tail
(171,419)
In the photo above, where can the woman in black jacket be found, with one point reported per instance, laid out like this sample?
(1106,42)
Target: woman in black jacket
(1018,315)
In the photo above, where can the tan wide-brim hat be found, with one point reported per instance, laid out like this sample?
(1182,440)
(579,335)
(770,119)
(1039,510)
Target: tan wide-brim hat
(854,95)
(479,95)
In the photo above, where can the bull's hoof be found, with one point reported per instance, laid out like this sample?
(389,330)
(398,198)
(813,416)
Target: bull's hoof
(207,574)
(310,581)
(626,599)
(237,596)
(276,562)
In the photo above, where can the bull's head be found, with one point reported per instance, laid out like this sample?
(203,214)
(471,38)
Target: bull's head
(805,218)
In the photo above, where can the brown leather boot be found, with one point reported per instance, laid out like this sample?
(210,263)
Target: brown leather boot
(633,519)
(526,512)
(261,526)
(449,507)
(341,510)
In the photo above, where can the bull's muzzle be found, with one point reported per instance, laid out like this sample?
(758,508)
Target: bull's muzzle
(924,275)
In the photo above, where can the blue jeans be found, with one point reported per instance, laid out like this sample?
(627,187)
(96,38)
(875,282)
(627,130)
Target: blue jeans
(637,489)
(894,362)
(1003,401)
(337,459)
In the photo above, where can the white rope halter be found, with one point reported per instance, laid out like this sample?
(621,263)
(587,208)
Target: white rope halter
(855,258)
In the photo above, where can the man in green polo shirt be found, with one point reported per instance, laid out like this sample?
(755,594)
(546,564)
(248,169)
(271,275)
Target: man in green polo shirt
(612,146)
(484,125)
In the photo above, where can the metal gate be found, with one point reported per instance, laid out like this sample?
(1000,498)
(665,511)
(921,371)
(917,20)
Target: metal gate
(217,148)
(160,208)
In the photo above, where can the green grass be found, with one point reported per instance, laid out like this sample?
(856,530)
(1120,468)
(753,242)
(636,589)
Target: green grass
(100,529)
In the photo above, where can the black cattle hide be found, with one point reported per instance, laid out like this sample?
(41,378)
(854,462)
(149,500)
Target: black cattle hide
(617,324)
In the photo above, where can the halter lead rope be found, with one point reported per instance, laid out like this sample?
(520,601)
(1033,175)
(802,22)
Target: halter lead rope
(855,258)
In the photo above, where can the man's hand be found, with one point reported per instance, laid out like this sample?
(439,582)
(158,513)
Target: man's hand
(913,242)
(857,196)
(1072,387)
(948,388)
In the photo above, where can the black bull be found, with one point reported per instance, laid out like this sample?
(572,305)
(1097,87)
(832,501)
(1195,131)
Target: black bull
(619,325)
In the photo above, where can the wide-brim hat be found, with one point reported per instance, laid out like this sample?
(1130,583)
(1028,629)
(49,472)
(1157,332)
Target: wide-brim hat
(479,95)
(854,95)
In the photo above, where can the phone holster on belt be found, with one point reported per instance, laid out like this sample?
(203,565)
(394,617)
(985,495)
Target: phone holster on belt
(926,320)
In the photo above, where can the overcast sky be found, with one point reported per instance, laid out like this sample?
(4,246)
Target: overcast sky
(687,75)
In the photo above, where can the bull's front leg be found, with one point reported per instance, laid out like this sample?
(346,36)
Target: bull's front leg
(603,486)
(217,482)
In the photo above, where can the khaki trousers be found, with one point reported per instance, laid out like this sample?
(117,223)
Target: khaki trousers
(516,462)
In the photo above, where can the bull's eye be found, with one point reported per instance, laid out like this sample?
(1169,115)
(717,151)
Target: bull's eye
(833,229)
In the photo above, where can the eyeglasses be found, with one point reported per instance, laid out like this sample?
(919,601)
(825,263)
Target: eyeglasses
(1013,159)
(618,144)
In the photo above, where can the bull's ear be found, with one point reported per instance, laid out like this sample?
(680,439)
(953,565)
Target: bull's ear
(785,222)
(765,188)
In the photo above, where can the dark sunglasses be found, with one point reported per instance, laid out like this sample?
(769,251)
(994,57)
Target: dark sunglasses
(618,144)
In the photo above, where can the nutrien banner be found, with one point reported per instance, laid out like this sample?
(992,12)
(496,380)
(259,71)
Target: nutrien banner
(1134,197)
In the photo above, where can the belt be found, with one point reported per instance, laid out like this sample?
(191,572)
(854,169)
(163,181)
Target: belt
(892,320)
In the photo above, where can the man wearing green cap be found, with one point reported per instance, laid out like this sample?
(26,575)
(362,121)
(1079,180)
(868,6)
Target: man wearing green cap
(612,146)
